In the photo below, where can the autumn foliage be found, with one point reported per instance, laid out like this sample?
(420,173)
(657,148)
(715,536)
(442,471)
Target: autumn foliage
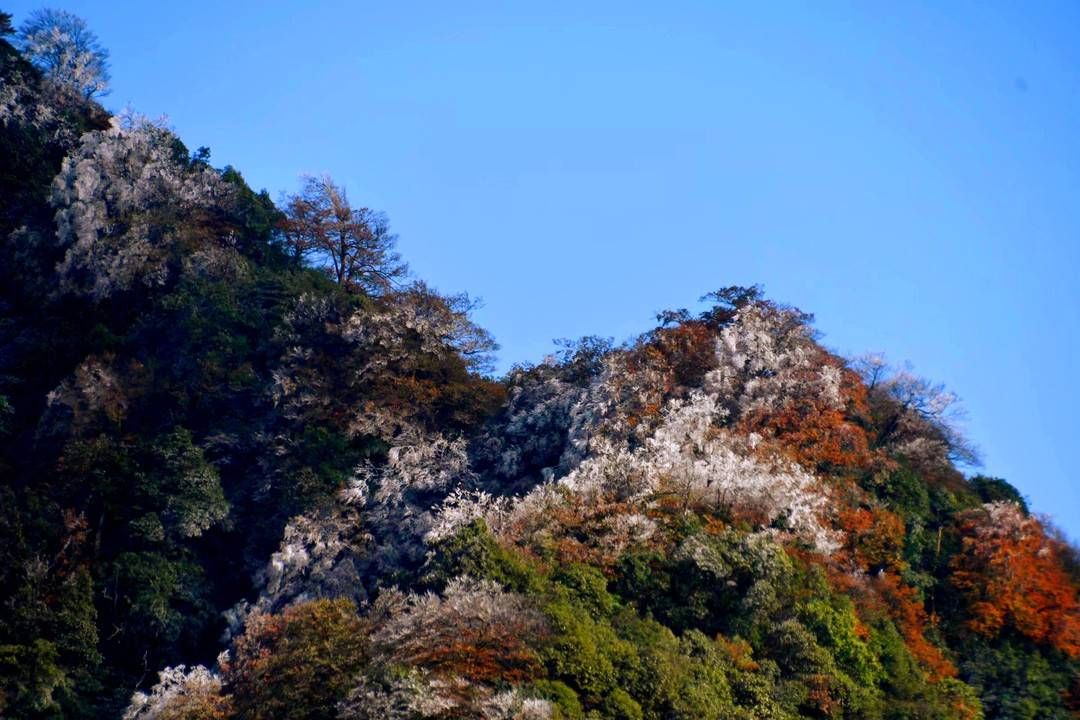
(909,612)
(476,632)
(240,431)
(874,537)
(1011,573)
(285,664)
(820,432)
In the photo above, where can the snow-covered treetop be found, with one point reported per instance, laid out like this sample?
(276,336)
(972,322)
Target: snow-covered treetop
(124,200)
(64,48)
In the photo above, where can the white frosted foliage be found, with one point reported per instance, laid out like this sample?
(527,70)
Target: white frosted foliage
(689,457)
(66,51)
(124,198)
(179,691)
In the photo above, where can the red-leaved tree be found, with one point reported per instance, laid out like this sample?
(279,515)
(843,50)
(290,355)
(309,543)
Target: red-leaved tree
(1011,573)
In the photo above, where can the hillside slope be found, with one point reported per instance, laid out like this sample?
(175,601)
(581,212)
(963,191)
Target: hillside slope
(249,474)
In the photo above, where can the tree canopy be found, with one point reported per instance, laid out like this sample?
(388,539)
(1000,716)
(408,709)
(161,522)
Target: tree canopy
(353,245)
(67,51)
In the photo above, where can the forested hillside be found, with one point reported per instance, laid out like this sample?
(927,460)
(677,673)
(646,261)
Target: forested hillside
(253,468)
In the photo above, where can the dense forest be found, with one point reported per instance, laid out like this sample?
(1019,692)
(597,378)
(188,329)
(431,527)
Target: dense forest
(253,468)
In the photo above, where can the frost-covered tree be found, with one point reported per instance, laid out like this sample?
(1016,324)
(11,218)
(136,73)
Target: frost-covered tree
(398,495)
(23,104)
(419,694)
(126,200)
(374,527)
(353,245)
(463,507)
(320,555)
(690,459)
(420,320)
(394,700)
(514,705)
(555,411)
(64,48)
(534,427)
(914,418)
(760,358)
(432,466)
(778,383)
(181,694)
(390,371)
(400,696)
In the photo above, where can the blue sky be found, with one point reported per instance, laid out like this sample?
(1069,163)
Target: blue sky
(908,172)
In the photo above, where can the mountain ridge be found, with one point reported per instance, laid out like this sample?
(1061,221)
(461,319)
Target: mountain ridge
(253,469)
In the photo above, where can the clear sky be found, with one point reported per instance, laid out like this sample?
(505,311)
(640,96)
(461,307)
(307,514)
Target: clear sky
(909,172)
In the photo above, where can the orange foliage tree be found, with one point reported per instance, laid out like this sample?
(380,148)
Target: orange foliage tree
(476,631)
(1011,573)
(884,595)
(874,538)
(908,612)
(815,430)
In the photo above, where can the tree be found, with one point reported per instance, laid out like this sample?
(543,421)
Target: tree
(913,417)
(354,246)
(181,694)
(298,664)
(1011,574)
(404,363)
(129,203)
(66,51)
(476,631)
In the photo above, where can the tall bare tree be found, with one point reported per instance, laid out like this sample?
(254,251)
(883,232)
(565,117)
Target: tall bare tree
(353,245)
